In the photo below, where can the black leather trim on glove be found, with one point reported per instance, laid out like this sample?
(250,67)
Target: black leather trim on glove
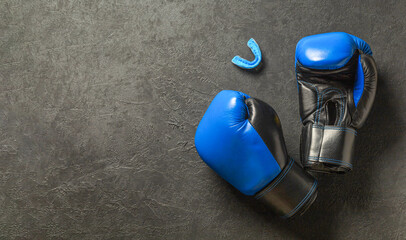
(293,191)
(327,148)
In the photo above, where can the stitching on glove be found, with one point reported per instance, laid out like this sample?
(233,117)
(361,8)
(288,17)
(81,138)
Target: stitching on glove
(310,193)
(344,129)
(317,91)
(323,159)
(328,90)
(277,181)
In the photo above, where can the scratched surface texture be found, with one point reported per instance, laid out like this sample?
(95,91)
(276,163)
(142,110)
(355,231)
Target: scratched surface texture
(100,100)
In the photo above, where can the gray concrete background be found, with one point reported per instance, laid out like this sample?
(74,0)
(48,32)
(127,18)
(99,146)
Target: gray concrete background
(100,100)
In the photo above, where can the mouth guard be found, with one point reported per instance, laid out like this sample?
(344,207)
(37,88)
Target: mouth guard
(245,64)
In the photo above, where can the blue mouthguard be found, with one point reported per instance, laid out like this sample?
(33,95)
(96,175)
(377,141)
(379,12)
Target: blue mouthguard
(245,64)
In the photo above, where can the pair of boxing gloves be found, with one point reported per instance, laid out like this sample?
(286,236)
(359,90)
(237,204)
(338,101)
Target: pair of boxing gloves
(240,137)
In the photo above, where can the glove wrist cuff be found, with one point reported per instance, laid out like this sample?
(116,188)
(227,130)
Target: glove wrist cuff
(291,193)
(327,149)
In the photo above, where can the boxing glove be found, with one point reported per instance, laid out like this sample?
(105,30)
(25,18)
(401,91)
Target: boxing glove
(241,139)
(337,79)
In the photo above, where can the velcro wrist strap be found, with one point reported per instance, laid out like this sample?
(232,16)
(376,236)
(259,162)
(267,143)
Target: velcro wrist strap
(327,148)
(291,192)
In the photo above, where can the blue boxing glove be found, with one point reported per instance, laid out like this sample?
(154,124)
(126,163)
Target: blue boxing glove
(337,79)
(241,139)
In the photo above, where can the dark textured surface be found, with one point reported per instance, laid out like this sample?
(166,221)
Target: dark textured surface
(99,102)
